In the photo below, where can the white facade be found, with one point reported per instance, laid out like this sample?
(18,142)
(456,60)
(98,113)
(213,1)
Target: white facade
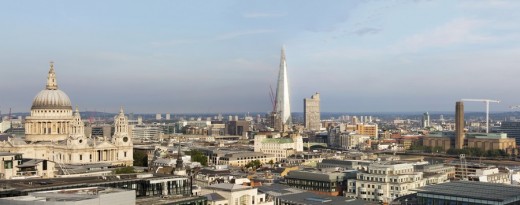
(57,134)
(385,182)
(353,141)
(280,147)
(236,194)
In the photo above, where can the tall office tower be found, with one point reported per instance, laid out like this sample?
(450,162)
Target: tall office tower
(158,116)
(425,120)
(354,120)
(512,128)
(282,104)
(362,118)
(459,125)
(139,120)
(167,116)
(311,110)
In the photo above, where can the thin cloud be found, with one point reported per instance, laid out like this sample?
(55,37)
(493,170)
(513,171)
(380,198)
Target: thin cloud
(170,43)
(458,31)
(263,15)
(238,34)
(367,31)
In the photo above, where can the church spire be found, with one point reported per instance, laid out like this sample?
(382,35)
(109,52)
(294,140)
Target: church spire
(51,79)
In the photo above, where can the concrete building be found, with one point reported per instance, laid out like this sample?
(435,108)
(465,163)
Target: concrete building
(470,169)
(324,183)
(167,117)
(353,141)
(241,159)
(492,175)
(283,119)
(311,110)
(436,169)
(512,129)
(53,132)
(385,182)
(79,196)
(144,185)
(234,194)
(238,127)
(145,132)
(345,164)
(363,129)
(425,122)
(9,164)
(158,116)
(286,195)
(280,147)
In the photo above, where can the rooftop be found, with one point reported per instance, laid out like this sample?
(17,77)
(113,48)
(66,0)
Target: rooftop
(280,140)
(228,187)
(297,196)
(474,190)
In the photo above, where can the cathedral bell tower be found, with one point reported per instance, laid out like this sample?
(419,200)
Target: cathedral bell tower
(121,130)
(77,131)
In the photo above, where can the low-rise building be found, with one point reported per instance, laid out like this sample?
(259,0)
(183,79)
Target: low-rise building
(344,164)
(280,147)
(383,182)
(436,169)
(325,183)
(240,159)
(285,195)
(492,175)
(236,194)
(78,196)
(9,164)
(468,192)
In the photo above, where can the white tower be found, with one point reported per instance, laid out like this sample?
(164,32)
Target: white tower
(283,106)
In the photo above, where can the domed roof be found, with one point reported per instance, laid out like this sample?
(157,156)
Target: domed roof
(51,97)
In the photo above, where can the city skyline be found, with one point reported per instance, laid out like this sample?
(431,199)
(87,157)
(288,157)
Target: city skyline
(361,56)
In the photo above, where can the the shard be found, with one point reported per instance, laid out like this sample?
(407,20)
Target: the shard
(283,106)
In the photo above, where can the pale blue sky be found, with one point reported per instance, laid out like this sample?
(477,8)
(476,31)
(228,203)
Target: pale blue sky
(222,56)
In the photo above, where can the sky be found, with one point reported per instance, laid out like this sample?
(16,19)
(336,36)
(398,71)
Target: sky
(223,56)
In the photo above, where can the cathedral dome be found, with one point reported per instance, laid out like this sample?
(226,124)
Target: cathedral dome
(51,99)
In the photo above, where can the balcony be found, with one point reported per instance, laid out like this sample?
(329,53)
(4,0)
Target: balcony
(26,175)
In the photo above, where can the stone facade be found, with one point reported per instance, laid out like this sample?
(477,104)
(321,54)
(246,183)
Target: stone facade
(54,132)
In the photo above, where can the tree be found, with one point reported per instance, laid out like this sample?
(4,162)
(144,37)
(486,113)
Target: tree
(140,159)
(271,162)
(125,170)
(197,156)
(255,164)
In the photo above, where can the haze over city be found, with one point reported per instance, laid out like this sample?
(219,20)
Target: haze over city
(223,56)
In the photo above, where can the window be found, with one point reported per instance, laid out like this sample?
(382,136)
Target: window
(8,164)
(125,154)
(80,157)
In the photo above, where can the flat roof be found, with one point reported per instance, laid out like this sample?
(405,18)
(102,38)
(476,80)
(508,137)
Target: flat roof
(44,184)
(474,190)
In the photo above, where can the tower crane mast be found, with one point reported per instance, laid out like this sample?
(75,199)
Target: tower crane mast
(487,101)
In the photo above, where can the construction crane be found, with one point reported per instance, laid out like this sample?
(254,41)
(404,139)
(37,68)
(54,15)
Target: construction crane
(514,106)
(487,101)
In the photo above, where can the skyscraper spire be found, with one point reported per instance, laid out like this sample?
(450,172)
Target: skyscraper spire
(283,106)
(51,79)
